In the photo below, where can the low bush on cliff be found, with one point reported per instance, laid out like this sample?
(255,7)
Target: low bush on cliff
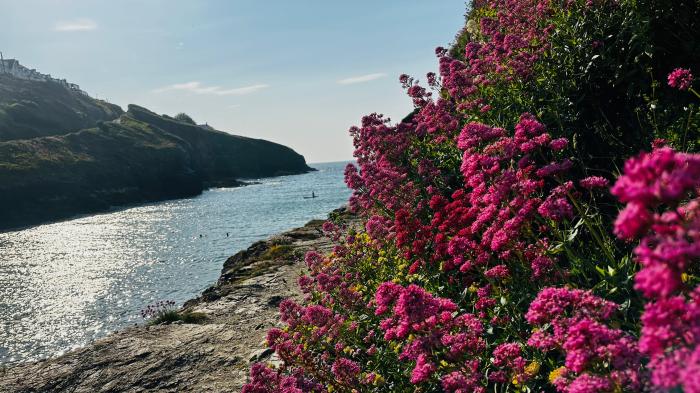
(164,312)
(503,249)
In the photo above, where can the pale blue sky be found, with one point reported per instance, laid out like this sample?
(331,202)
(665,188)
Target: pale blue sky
(297,72)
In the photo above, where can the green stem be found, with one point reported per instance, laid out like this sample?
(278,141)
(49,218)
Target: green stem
(694,92)
(594,232)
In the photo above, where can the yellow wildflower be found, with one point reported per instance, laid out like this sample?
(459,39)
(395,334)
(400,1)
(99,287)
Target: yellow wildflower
(533,368)
(378,379)
(556,373)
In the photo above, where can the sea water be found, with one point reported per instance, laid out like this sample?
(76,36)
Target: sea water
(64,284)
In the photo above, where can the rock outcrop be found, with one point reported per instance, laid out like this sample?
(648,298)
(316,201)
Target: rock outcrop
(212,356)
(139,157)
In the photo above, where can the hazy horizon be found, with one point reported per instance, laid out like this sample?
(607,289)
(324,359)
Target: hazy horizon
(279,72)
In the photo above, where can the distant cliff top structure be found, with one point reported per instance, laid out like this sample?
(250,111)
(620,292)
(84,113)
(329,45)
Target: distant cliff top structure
(17,70)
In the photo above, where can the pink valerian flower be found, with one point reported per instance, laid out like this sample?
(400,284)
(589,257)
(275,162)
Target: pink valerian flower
(555,168)
(423,370)
(466,380)
(263,379)
(313,260)
(559,144)
(317,315)
(632,221)
(542,266)
(377,227)
(681,79)
(560,307)
(671,239)
(345,371)
(557,207)
(506,354)
(352,177)
(670,336)
(571,321)
(662,176)
(499,272)
(592,182)
(432,323)
(588,341)
(587,383)
(386,296)
(663,208)
(553,305)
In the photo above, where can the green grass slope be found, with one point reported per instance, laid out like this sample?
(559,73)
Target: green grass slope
(139,157)
(30,109)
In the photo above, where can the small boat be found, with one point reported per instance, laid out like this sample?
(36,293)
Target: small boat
(313,195)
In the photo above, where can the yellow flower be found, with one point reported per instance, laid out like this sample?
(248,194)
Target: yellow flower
(378,379)
(532,369)
(684,277)
(556,373)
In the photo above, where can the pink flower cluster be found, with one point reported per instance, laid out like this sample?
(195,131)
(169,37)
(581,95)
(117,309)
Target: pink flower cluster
(598,358)
(662,191)
(680,79)
(266,380)
(462,276)
(433,326)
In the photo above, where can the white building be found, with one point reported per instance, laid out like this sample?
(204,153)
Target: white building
(14,68)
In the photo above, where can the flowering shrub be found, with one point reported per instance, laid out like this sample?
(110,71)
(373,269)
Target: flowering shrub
(492,256)
(663,189)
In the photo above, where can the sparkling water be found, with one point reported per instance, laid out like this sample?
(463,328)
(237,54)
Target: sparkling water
(62,285)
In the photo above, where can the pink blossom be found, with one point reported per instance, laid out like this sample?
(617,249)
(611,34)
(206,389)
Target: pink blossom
(592,182)
(680,79)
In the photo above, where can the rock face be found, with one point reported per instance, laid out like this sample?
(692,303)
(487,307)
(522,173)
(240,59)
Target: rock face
(213,356)
(139,157)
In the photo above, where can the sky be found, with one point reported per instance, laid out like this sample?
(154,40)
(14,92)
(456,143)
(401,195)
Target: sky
(296,72)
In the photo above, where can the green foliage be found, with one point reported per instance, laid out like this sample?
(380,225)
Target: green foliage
(30,109)
(170,316)
(185,118)
(602,80)
(141,157)
(278,251)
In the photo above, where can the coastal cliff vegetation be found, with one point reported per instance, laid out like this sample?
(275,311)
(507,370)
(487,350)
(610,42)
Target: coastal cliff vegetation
(56,169)
(532,226)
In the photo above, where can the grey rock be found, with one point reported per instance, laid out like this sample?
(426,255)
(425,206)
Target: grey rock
(206,357)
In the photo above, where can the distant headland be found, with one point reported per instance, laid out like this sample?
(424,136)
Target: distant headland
(64,153)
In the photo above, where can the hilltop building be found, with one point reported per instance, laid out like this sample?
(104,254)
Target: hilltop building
(14,68)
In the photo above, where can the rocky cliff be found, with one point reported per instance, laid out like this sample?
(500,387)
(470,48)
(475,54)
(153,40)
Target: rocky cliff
(138,157)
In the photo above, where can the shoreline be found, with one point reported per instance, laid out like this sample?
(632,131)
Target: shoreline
(233,183)
(210,356)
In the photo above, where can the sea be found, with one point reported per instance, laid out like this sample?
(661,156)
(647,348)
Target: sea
(65,284)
